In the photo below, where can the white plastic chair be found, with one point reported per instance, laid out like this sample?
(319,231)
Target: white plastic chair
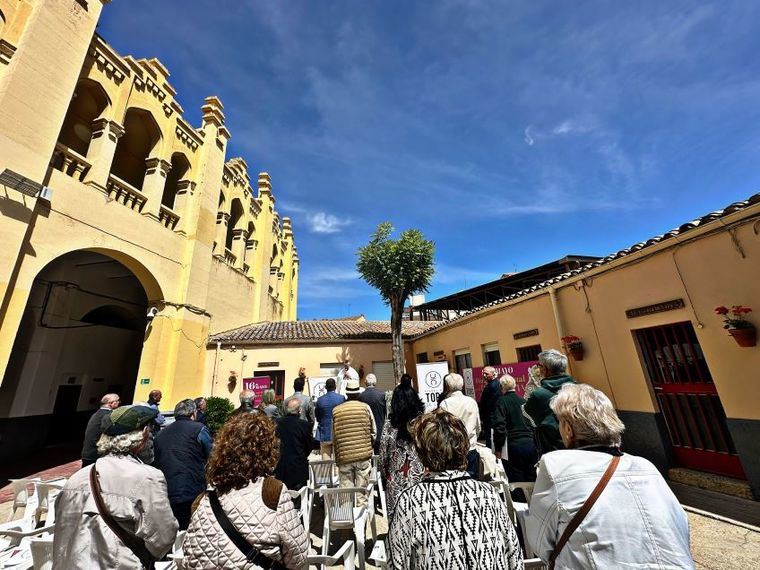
(46,492)
(42,553)
(322,473)
(23,498)
(346,555)
(376,477)
(341,512)
(379,555)
(305,506)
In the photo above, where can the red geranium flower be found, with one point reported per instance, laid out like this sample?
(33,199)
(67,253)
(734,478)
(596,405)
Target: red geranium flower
(721,310)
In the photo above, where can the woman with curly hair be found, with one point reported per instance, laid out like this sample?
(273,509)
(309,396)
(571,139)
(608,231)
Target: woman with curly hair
(252,505)
(399,461)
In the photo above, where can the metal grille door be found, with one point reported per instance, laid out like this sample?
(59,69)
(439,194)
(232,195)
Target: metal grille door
(688,399)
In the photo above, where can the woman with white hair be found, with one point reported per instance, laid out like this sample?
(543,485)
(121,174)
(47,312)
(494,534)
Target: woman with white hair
(636,521)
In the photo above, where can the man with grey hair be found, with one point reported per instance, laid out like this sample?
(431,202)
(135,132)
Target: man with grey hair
(553,367)
(295,446)
(466,409)
(306,403)
(119,485)
(375,399)
(182,450)
(94,430)
(246,403)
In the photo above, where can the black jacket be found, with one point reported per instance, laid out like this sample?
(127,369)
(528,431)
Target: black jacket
(375,399)
(538,409)
(509,422)
(489,397)
(295,447)
(92,435)
(182,458)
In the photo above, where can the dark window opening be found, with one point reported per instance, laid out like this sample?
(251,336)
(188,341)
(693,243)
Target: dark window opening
(528,353)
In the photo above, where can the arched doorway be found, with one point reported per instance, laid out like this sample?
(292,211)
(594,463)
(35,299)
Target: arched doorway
(81,336)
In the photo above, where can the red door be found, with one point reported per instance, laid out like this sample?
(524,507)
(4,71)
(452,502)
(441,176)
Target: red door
(688,399)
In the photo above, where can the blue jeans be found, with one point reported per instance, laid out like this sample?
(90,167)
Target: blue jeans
(521,465)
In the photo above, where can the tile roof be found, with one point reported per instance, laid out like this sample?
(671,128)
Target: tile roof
(679,231)
(309,331)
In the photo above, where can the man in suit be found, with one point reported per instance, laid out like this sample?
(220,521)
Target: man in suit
(375,399)
(94,430)
(324,413)
(295,447)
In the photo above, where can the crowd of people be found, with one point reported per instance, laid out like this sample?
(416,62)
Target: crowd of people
(144,478)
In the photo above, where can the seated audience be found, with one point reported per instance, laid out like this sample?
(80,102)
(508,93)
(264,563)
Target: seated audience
(353,433)
(636,522)
(399,462)
(200,414)
(449,520)
(268,405)
(553,367)
(257,507)
(119,491)
(307,405)
(509,426)
(246,403)
(295,446)
(324,413)
(108,403)
(466,409)
(182,450)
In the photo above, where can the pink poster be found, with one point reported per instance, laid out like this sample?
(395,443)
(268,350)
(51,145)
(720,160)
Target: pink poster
(258,384)
(518,371)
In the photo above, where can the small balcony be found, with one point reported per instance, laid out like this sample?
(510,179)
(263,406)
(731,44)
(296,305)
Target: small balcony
(229,257)
(126,194)
(70,162)
(168,217)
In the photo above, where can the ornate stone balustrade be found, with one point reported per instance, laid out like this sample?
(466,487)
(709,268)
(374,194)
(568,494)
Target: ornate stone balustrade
(125,193)
(70,162)
(229,257)
(168,217)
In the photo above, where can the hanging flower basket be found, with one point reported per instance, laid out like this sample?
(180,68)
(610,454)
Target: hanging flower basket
(736,323)
(746,337)
(574,346)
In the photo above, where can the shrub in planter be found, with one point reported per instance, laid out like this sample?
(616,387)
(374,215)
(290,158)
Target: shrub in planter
(218,411)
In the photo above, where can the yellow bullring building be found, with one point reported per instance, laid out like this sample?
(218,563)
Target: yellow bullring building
(128,236)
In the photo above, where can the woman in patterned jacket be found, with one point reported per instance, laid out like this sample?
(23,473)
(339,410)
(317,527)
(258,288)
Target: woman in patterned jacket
(449,521)
(399,461)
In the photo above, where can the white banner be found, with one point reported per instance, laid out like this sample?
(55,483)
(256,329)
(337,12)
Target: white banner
(430,378)
(469,385)
(317,386)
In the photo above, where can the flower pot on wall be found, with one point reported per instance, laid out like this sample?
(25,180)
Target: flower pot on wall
(746,337)
(576,353)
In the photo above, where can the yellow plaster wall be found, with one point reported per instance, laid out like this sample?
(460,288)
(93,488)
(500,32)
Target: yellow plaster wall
(195,289)
(244,361)
(714,270)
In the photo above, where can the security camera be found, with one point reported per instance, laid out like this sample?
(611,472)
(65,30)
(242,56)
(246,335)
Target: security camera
(152,312)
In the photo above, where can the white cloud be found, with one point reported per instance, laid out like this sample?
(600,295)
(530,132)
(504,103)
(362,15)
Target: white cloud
(323,223)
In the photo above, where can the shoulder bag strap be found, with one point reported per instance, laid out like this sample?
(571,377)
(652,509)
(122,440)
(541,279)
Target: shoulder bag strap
(131,541)
(251,553)
(585,508)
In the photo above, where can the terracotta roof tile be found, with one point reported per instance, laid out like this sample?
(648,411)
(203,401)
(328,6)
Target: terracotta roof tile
(290,331)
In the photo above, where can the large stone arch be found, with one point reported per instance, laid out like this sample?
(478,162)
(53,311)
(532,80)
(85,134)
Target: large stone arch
(81,335)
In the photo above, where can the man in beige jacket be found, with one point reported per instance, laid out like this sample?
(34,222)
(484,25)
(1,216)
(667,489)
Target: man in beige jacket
(134,494)
(354,431)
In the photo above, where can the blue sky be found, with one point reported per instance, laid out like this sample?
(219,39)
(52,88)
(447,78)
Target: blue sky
(510,133)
